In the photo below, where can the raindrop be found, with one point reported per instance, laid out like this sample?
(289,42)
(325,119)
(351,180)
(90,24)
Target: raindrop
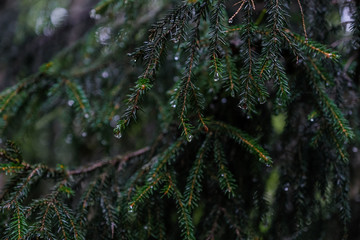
(355,149)
(311,119)
(177,56)
(70,103)
(131,209)
(103,35)
(86,115)
(145,227)
(173,104)
(286,187)
(216,77)
(58,16)
(224,100)
(94,15)
(114,120)
(84,134)
(105,74)
(262,100)
(118,135)
(268,165)
(230,20)
(151,186)
(190,138)
(248,117)
(350,112)
(222,175)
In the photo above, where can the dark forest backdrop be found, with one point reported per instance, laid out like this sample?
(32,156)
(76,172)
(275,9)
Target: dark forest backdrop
(197,119)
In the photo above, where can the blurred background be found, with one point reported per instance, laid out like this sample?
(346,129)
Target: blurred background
(93,48)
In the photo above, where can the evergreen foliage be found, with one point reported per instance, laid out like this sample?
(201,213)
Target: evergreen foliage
(194,119)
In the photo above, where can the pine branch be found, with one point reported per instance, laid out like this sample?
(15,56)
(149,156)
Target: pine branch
(226,178)
(193,186)
(329,108)
(243,138)
(114,161)
(184,218)
(76,92)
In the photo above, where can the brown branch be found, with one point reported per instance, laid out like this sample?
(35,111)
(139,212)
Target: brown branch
(117,159)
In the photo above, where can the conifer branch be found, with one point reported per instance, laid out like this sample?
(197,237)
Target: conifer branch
(185,220)
(146,191)
(61,224)
(193,186)
(313,46)
(169,154)
(243,138)
(303,21)
(114,161)
(330,110)
(77,93)
(226,179)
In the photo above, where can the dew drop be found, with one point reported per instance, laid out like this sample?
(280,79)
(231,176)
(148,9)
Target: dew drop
(268,165)
(84,134)
(190,138)
(131,209)
(222,175)
(58,16)
(70,103)
(118,135)
(286,187)
(173,104)
(105,74)
(94,15)
(230,20)
(177,56)
(216,77)
(311,119)
(355,149)
(223,100)
(145,227)
(262,100)
(151,186)
(86,115)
